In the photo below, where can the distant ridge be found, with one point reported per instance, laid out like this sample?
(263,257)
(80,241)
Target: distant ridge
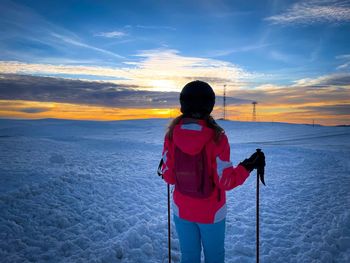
(217,119)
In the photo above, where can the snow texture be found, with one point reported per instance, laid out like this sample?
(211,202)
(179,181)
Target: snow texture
(84,191)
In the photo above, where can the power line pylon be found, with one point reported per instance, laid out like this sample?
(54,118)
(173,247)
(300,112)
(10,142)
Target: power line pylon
(254,110)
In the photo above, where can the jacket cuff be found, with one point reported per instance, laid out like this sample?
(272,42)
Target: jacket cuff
(241,168)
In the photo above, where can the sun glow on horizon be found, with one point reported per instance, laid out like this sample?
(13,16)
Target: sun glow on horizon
(164,85)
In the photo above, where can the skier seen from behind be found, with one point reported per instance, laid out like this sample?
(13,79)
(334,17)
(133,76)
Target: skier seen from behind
(196,159)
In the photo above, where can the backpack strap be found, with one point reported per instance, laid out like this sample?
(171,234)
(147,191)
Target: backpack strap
(204,158)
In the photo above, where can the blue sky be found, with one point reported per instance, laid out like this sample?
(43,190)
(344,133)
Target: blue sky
(247,45)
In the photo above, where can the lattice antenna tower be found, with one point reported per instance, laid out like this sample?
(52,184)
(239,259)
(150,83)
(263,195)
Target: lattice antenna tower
(254,110)
(224,102)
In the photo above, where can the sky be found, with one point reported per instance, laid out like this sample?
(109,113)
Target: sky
(111,60)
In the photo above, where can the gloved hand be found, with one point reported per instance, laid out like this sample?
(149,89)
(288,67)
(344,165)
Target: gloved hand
(255,161)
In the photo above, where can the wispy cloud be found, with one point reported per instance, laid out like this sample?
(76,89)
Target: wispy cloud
(344,56)
(247,48)
(315,11)
(344,66)
(345,61)
(9,67)
(78,43)
(281,56)
(23,24)
(111,34)
(152,27)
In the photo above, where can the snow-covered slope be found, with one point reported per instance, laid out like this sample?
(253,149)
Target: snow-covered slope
(80,191)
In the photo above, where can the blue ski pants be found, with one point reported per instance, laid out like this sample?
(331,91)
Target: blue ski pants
(193,236)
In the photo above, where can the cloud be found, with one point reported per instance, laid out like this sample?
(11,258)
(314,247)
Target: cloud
(48,89)
(337,109)
(324,90)
(339,79)
(158,69)
(111,34)
(312,12)
(169,64)
(23,106)
(34,110)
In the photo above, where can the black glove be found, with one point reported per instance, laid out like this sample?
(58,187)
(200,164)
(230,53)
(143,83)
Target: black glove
(261,166)
(255,161)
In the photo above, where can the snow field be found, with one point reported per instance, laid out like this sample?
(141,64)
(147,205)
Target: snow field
(76,191)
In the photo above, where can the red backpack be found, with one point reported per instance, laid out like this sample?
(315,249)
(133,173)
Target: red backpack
(192,174)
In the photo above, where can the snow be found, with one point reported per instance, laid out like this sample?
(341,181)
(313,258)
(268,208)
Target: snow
(84,191)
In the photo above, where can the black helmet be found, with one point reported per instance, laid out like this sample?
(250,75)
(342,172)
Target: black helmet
(197,99)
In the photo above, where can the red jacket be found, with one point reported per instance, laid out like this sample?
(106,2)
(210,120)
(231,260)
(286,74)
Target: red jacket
(191,138)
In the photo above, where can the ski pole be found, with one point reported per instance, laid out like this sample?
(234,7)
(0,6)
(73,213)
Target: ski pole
(259,174)
(257,218)
(169,232)
(160,173)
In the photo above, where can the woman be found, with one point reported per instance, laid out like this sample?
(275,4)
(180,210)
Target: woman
(196,158)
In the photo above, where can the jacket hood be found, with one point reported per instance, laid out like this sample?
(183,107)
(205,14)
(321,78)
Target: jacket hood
(190,135)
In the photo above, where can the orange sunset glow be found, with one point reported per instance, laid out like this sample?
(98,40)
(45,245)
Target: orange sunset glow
(16,109)
(19,109)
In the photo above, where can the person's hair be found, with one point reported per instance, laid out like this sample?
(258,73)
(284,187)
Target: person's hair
(211,123)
